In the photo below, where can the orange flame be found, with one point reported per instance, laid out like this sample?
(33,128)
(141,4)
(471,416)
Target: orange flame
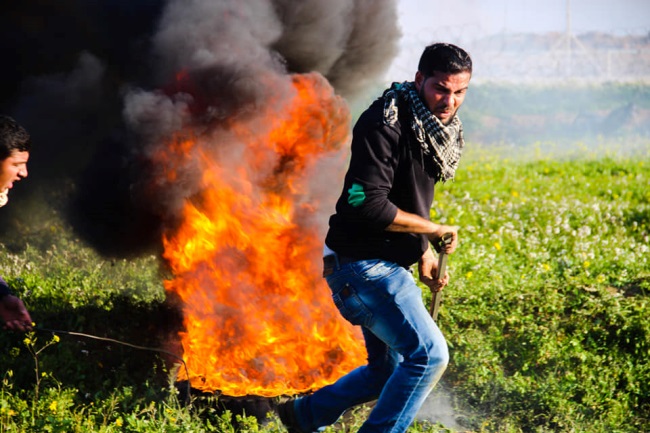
(246,256)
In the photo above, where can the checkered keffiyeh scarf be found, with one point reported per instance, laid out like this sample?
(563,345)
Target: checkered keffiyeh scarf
(444,144)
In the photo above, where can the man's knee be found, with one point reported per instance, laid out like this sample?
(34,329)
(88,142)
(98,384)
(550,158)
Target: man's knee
(432,358)
(435,364)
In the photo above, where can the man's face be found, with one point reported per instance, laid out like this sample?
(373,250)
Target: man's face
(13,169)
(443,93)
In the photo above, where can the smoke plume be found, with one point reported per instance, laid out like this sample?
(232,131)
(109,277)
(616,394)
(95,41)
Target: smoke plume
(102,85)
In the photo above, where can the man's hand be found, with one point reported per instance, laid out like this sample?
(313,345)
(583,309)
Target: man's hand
(435,238)
(14,314)
(428,269)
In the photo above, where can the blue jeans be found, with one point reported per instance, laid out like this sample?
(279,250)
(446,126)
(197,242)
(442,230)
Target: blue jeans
(407,353)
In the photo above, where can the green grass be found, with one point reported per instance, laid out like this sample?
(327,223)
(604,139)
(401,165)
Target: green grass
(545,314)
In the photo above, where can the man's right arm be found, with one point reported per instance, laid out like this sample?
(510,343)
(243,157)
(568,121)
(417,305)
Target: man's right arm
(405,222)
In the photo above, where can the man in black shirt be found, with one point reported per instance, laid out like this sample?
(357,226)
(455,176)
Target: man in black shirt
(403,144)
(14,153)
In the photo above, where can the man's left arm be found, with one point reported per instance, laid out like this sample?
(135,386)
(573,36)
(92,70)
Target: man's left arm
(428,270)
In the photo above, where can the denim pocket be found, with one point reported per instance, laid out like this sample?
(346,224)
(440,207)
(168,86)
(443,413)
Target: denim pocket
(351,306)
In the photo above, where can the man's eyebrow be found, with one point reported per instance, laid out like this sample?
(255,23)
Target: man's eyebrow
(440,86)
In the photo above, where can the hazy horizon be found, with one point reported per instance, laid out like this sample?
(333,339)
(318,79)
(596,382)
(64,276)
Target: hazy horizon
(465,21)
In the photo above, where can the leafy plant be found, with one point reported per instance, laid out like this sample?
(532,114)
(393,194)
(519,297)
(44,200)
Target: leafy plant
(545,314)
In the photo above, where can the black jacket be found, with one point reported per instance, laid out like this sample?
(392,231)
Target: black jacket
(387,171)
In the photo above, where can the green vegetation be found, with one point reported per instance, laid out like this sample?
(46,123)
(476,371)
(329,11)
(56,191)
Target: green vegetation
(573,111)
(572,97)
(544,315)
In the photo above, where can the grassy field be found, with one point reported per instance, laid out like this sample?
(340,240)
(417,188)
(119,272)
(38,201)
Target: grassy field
(546,314)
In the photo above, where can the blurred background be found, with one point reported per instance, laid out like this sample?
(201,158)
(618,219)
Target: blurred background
(559,71)
(529,40)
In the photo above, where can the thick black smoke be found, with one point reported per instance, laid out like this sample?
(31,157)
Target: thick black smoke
(100,85)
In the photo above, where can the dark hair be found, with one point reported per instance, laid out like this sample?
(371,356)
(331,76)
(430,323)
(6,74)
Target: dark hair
(446,58)
(13,137)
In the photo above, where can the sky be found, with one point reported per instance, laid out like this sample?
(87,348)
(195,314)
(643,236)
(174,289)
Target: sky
(462,21)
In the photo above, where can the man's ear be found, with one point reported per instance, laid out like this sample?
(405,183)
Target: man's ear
(419,79)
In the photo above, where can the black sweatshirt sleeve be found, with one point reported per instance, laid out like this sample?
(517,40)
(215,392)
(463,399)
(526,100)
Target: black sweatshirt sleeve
(369,180)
